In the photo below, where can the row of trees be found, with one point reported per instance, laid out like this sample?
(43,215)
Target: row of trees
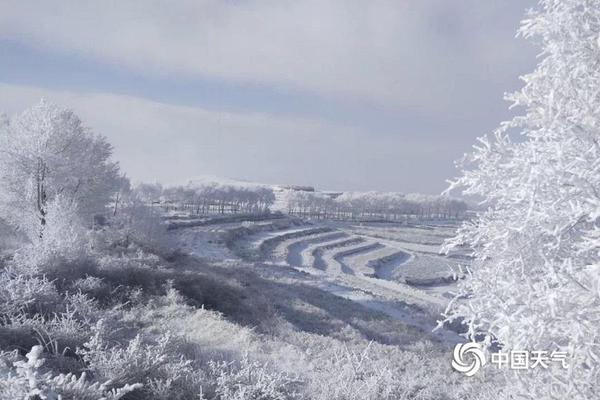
(373,205)
(210,197)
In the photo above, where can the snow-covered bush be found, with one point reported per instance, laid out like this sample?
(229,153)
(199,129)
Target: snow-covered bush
(63,331)
(135,222)
(371,371)
(143,224)
(535,280)
(156,363)
(251,380)
(357,376)
(91,285)
(148,192)
(130,271)
(60,325)
(10,237)
(25,379)
(19,293)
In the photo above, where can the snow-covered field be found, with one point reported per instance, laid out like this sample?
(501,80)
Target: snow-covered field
(392,268)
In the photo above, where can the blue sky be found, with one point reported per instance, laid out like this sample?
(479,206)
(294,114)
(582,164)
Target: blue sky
(345,95)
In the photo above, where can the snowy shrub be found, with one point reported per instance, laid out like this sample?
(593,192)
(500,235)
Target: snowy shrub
(133,257)
(64,331)
(84,307)
(20,293)
(172,296)
(140,361)
(251,380)
(91,285)
(358,376)
(344,371)
(139,223)
(534,283)
(10,238)
(132,271)
(33,311)
(59,333)
(24,379)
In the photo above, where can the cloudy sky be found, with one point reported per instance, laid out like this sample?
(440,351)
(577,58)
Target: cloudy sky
(345,95)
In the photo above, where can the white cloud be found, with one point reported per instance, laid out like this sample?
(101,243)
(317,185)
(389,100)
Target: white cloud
(426,55)
(155,141)
(445,60)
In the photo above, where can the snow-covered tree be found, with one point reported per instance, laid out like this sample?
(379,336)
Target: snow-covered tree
(122,193)
(47,152)
(139,222)
(149,192)
(535,282)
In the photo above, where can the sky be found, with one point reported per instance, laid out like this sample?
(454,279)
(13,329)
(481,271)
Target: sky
(340,95)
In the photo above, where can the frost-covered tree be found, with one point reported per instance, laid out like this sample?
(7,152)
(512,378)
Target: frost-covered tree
(149,192)
(47,152)
(123,191)
(139,222)
(535,282)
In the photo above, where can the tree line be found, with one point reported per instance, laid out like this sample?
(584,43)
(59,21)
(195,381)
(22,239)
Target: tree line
(373,205)
(211,197)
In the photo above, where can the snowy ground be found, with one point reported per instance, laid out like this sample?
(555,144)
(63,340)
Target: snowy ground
(391,268)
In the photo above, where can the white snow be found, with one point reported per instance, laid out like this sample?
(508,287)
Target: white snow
(367,266)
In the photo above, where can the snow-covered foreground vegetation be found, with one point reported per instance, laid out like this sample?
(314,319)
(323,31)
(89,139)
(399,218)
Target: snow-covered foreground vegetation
(181,327)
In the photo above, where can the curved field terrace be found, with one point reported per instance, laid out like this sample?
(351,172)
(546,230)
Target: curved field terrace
(393,268)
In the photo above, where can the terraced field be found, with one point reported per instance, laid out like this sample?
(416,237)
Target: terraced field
(393,268)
